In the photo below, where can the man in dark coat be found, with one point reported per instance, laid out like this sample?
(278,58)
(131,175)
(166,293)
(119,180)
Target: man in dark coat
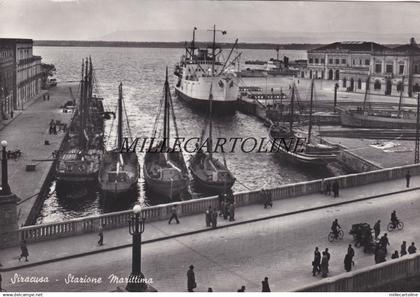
(316,262)
(24,251)
(226,211)
(101,236)
(328,188)
(209,213)
(191,284)
(407,179)
(384,242)
(347,262)
(403,249)
(265,285)
(214,219)
(231,212)
(328,254)
(335,189)
(377,228)
(412,249)
(350,252)
(324,265)
(174,214)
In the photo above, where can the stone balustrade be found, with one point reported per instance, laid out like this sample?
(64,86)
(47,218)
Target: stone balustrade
(368,278)
(197,206)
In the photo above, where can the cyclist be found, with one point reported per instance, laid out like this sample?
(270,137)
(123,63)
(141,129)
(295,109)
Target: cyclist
(335,228)
(394,219)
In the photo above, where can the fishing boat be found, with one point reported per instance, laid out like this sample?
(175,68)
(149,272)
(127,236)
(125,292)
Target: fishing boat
(165,171)
(119,170)
(199,69)
(298,146)
(382,118)
(79,159)
(209,173)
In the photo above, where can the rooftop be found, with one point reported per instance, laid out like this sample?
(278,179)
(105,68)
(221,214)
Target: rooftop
(15,40)
(359,46)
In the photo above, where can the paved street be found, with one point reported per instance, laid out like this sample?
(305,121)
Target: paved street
(225,259)
(28,132)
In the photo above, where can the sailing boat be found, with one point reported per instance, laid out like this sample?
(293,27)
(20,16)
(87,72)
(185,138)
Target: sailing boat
(208,172)
(389,118)
(165,171)
(119,170)
(80,157)
(286,139)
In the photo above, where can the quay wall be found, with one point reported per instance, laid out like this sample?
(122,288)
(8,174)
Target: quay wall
(369,278)
(197,206)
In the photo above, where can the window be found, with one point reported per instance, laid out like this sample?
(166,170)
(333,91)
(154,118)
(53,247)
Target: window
(330,61)
(367,62)
(337,61)
(401,69)
(389,69)
(322,61)
(343,61)
(378,68)
(316,60)
(310,60)
(377,85)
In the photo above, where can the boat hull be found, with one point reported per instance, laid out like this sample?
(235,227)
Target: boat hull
(349,119)
(219,107)
(214,188)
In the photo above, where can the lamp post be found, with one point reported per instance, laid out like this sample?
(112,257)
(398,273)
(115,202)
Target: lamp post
(5,188)
(136,281)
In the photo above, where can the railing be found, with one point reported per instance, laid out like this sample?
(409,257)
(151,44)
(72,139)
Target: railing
(197,206)
(370,277)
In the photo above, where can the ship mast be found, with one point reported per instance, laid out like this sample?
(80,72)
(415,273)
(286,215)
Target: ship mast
(120,121)
(166,114)
(292,108)
(310,112)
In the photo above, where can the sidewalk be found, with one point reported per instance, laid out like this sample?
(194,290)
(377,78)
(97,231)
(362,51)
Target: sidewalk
(27,131)
(65,248)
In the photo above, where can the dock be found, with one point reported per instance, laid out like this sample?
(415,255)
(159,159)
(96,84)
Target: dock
(29,132)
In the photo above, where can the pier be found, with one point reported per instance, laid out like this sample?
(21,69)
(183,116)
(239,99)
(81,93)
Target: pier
(29,132)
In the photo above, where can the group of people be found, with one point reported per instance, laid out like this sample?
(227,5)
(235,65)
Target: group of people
(53,127)
(191,283)
(266,198)
(320,263)
(226,203)
(327,188)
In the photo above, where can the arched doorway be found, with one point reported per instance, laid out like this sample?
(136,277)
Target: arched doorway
(330,74)
(351,84)
(337,74)
(359,83)
(388,88)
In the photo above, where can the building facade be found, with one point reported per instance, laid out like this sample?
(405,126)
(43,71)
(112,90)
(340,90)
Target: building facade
(7,77)
(358,66)
(27,74)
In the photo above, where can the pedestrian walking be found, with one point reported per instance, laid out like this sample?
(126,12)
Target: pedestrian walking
(328,254)
(403,250)
(226,211)
(51,126)
(350,251)
(324,265)
(214,219)
(412,249)
(242,289)
(348,262)
(322,190)
(191,284)
(407,179)
(395,255)
(384,242)
(208,216)
(265,285)
(328,188)
(174,214)
(24,253)
(335,189)
(101,236)
(267,198)
(377,228)
(231,212)
(11,114)
(316,269)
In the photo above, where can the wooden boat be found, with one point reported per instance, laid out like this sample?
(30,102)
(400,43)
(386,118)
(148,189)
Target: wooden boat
(209,173)
(83,149)
(165,171)
(297,146)
(119,170)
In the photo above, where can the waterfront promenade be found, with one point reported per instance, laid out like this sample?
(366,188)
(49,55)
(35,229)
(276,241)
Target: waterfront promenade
(28,131)
(279,245)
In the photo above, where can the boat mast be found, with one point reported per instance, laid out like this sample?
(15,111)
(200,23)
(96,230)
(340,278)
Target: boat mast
(120,121)
(166,113)
(292,108)
(310,112)
(210,142)
(401,93)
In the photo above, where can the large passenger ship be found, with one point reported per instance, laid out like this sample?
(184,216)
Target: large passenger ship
(201,68)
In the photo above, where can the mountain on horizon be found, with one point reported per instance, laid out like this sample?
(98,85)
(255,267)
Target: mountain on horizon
(257,36)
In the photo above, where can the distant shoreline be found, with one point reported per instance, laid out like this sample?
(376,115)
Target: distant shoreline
(136,44)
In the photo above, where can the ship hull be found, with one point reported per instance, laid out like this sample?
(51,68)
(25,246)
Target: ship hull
(349,119)
(214,188)
(219,107)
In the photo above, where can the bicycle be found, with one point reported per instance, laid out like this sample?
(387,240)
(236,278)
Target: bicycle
(392,227)
(332,237)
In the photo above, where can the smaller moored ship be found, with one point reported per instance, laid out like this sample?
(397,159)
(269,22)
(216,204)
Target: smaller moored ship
(119,170)
(165,171)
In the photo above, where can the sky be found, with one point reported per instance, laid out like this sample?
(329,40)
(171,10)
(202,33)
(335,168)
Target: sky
(250,21)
